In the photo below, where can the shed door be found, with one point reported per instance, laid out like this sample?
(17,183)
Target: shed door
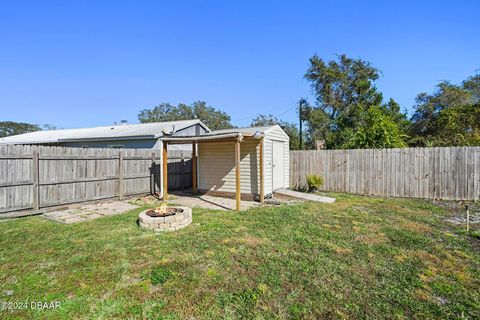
(278,171)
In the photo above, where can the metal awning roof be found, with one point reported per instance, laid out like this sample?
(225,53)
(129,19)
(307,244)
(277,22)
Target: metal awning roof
(220,135)
(211,138)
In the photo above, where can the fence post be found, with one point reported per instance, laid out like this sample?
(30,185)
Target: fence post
(35,180)
(120,175)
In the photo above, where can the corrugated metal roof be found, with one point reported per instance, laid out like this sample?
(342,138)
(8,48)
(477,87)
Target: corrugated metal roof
(115,132)
(248,130)
(220,134)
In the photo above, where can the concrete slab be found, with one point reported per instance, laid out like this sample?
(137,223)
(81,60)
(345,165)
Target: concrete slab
(210,202)
(88,212)
(305,196)
(108,208)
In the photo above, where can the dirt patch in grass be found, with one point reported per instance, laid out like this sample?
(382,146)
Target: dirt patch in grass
(251,241)
(415,226)
(371,239)
(457,213)
(339,250)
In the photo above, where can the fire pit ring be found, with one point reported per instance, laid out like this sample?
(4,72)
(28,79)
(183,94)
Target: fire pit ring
(169,211)
(174,218)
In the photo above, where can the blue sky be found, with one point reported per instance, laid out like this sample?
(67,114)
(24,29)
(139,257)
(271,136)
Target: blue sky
(79,64)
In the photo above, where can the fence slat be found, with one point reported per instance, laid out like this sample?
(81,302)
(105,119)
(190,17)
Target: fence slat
(451,173)
(35,182)
(36,177)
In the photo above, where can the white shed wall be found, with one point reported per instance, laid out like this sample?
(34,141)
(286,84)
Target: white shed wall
(276,133)
(216,164)
(216,167)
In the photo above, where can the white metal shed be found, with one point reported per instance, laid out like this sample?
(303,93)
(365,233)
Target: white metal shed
(246,162)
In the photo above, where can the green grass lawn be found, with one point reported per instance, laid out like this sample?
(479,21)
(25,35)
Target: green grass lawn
(360,257)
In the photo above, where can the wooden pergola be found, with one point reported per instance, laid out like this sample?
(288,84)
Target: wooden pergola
(236,137)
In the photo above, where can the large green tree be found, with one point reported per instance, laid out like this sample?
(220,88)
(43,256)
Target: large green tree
(377,129)
(450,116)
(289,128)
(392,109)
(215,119)
(10,128)
(345,93)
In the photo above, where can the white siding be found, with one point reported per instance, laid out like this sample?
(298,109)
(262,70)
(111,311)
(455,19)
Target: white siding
(268,166)
(216,164)
(216,167)
(174,147)
(276,133)
(287,164)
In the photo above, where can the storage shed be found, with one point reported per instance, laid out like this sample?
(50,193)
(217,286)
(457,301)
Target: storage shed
(246,162)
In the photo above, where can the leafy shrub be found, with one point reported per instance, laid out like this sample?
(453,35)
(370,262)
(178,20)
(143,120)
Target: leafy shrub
(314,182)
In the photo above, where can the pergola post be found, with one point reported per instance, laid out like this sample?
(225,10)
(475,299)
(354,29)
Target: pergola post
(262,174)
(237,175)
(165,170)
(194,168)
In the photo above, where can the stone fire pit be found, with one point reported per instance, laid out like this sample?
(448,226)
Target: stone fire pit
(174,218)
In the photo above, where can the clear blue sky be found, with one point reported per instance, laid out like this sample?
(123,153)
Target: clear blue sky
(92,63)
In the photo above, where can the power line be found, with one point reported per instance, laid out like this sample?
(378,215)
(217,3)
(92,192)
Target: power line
(293,105)
(290,106)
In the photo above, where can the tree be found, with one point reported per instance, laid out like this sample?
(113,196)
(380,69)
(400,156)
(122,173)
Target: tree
(378,129)
(49,127)
(450,116)
(289,128)
(345,93)
(213,118)
(392,109)
(317,125)
(10,128)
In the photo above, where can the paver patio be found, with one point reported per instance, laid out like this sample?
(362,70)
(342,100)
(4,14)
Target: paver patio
(86,212)
(210,202)
(89,211)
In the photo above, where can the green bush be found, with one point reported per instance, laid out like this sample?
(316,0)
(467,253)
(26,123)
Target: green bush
(314,182)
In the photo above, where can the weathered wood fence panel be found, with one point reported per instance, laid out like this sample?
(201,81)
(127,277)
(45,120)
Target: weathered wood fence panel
(179,170)
(451,173)
(36,177)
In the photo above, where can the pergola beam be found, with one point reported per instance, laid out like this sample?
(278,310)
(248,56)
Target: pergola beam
(210,138)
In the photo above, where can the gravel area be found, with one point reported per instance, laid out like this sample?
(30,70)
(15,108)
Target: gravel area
(458,211)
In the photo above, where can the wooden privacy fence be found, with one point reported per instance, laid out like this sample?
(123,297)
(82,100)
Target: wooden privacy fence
(451,173)
(37,177)
(179,170)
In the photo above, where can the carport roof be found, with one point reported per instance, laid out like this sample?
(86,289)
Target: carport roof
(220,135)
